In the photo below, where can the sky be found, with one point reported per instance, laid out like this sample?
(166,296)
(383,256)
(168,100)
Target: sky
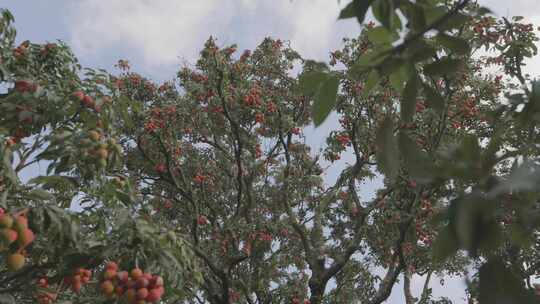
(158,36)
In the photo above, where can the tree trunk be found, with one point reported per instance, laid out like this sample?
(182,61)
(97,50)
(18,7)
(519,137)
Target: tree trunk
(409,299)
(316,288)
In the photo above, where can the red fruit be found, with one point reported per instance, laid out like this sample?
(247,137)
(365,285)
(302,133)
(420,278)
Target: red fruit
(112,265)
(411,184)
(77,279)
(10,141)
(119,290)
(147,276)
(22,86)
(136,273)
(88,101)
(6,220)
(76,286)
(141,283)
(85,279)
(153,296)
(130,284)
(107,287)
(160,290)
(9,235)
(15,261)
(142,293)
(123,276)
(79,96)
(109,274)
(157,281)
(43,283)
(202,220)
(160,168)
(68,280)
(26,237)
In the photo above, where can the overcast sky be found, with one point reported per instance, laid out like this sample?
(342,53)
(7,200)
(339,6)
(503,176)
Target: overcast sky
(157,36)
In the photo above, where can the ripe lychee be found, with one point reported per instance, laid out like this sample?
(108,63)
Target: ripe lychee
(15,261)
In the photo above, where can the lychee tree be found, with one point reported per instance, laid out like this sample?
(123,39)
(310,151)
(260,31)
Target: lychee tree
(64,211)
(202,189)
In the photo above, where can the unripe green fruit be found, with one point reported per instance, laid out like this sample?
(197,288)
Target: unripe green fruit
(102,163)
(26,237)
(118,149)
(20,224)
(6,221)
(15,261)
(103,146)
(94,135)
(107,287)
(86,142)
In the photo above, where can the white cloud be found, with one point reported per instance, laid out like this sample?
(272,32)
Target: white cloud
(159,31)
(162,32)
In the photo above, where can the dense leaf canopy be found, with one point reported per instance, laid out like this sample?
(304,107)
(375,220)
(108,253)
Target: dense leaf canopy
(206,183)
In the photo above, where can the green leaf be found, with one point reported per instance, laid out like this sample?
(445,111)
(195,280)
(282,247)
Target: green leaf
(368,60)
(445,245)
(445,66)
(415,15)
(419,51)
(457,45)
(456,21)
(356,8)
(311,81)
(408,99)
(434,100)
(371,81)
(40,194)
(325,99)
(7,299)
(387,149)
(498,284)
(475,224)
(8,169)
(382,10)
(398,77)
(380,34)
(416,161)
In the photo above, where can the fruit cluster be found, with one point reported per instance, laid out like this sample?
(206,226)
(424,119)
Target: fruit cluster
(86,101)
(136,287)
(23,86)
(97,149)
(45,297)
(15,236)
(80,276)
